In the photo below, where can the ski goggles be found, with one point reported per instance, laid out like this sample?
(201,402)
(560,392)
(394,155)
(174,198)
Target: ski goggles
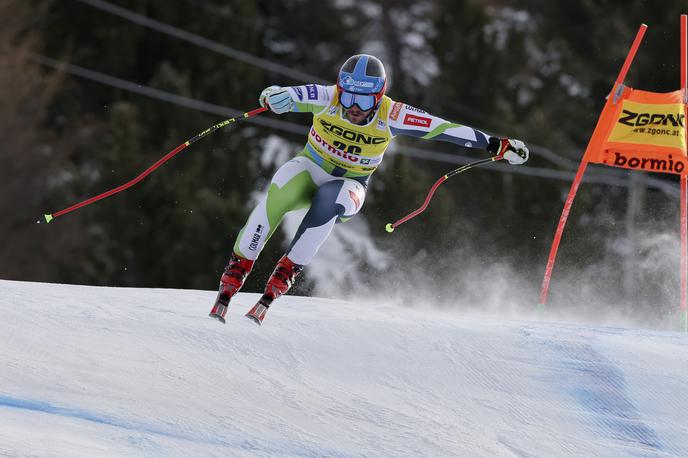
(364,101)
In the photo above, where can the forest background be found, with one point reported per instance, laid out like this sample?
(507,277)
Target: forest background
(92,93)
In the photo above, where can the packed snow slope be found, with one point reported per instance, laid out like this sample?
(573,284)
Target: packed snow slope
(96,372)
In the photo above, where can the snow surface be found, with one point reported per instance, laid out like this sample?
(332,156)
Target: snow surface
(95,372)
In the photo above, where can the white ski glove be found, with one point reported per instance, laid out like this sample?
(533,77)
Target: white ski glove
(276,99)
(514,151)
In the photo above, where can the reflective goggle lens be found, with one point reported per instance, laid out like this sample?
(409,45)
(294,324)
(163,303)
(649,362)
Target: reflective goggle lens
(364,101)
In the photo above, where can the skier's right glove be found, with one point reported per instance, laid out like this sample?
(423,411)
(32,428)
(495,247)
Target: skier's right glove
(514,151)
(276,99)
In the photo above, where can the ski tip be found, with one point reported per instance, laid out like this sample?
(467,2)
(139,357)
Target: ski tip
(389,228)
(217,317)
(254,319)
(48,218)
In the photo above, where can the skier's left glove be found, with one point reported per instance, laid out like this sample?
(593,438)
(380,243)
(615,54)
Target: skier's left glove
(276,99)
(514,151)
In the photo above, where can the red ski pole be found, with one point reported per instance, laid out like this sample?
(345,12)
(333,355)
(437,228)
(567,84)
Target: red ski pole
(391,226)
(50,216)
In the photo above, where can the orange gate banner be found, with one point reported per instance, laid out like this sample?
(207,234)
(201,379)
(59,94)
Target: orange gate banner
(642,130)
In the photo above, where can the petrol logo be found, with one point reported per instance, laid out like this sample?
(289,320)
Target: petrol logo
(419,121)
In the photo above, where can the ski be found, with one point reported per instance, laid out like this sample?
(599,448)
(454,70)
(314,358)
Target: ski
(231,281)
(257,313)
(219,311)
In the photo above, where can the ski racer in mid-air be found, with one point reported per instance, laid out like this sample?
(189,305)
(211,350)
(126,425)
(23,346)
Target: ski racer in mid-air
(353,124)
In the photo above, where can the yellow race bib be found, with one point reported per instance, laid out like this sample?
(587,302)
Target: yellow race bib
(357,149)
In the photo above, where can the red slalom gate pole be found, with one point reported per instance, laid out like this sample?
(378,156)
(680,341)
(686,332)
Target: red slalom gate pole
(544,291)
(618,88)
(391,226)
(683,311)
(50,216)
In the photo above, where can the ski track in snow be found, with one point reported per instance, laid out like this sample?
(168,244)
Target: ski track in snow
(251,444)
(92,371)
(599,387)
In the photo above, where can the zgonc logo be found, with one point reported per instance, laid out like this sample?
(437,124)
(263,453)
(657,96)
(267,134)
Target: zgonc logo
(633,119)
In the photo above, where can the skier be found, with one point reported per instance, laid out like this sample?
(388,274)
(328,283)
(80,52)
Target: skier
(353,123)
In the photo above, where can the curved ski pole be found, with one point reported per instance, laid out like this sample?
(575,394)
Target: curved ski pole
(50,216)
(391,226)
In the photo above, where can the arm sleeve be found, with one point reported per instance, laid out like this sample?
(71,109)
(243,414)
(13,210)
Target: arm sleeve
(310,98)
(414,122)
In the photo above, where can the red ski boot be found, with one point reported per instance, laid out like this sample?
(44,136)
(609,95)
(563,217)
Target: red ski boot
(279,283)
(231,282)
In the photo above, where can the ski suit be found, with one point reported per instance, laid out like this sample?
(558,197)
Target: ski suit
(329,175)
